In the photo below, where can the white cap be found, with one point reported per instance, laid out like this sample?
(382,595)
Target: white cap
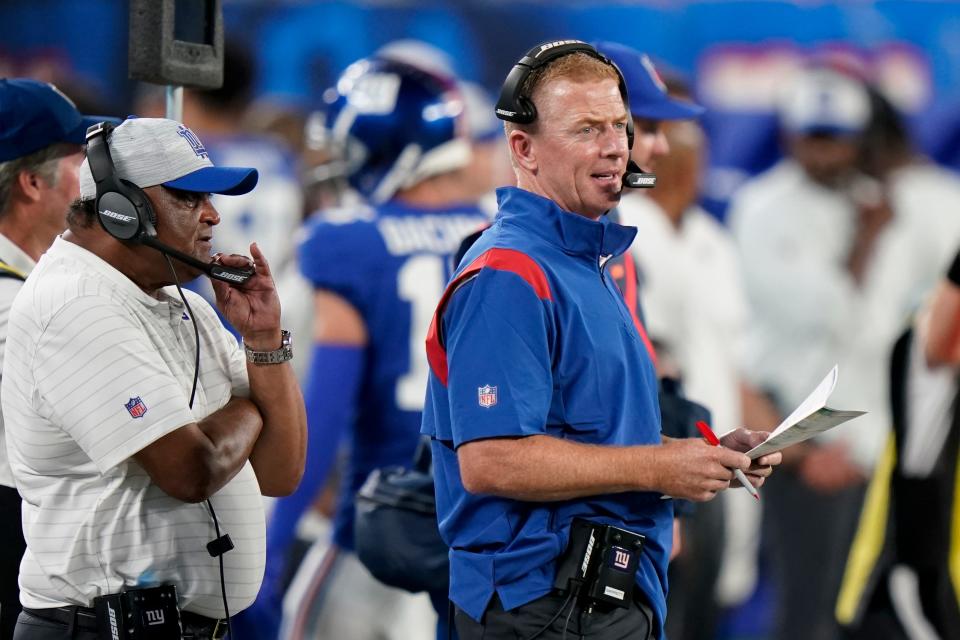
(825,101)
(152,151)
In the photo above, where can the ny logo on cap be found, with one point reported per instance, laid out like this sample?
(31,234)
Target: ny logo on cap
(653,73)
(194,141)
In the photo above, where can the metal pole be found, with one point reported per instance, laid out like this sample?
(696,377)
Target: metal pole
(175,103)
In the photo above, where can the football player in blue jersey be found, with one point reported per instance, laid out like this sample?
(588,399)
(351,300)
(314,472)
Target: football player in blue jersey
(378,270)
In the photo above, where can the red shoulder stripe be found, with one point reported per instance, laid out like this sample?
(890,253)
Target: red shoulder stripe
(630,297)
(501,260)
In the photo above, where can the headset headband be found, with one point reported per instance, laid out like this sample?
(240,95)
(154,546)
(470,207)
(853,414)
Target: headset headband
(98,152)
(513,106)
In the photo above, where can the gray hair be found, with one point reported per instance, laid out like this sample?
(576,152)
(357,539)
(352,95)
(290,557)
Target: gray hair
(44,163)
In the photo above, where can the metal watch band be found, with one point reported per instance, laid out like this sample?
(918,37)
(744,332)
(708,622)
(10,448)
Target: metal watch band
(283,354)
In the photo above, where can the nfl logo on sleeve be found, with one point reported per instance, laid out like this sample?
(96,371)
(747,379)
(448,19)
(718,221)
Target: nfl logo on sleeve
(487,396)
(135,407)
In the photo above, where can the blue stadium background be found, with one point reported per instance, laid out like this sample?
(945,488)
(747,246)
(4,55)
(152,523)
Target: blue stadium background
(733,51)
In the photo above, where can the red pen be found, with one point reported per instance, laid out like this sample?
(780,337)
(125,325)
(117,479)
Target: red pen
(712,438)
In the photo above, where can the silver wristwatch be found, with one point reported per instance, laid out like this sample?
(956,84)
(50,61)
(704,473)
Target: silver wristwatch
(284,353)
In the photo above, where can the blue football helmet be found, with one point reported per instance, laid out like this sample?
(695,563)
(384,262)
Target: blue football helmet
(395,125)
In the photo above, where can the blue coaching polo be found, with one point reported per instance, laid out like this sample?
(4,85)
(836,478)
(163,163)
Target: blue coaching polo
(532,337)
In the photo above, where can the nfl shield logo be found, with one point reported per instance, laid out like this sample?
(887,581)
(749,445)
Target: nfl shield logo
(487,396)
(135,407)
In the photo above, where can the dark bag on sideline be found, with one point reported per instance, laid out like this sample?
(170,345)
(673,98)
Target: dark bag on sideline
(396,534)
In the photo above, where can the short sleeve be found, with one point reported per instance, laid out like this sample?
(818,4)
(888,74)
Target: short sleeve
(100,378)
(498,335)
(335,257)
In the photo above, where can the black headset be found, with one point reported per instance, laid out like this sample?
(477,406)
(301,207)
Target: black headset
(514,106)
(125,212)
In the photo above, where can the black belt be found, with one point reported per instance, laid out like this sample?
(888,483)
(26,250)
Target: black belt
(195,626)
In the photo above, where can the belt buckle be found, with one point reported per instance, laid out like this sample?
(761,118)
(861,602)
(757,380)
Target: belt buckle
(219,630)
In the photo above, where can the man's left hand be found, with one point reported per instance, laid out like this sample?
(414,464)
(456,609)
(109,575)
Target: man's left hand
(253,308)
(743,440)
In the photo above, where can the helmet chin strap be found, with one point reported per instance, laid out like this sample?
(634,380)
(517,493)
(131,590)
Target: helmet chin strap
(401,170)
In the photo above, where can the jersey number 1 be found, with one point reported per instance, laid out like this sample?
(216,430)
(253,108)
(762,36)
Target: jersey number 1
(420,282)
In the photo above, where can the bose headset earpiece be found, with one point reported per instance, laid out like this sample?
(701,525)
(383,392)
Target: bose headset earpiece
(514,106)
(125,212)
(122,207)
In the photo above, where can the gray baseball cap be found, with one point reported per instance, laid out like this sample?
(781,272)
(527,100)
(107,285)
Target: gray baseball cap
(157,151)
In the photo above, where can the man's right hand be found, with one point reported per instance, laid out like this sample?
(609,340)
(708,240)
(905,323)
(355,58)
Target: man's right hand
(691,469)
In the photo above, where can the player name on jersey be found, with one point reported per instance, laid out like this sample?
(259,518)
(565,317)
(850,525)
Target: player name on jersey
(435,234)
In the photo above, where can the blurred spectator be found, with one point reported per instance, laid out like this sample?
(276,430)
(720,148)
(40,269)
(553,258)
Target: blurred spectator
(650,106)
(899,581)
(41,133)
(925,203)
(273,119)
(696,309)
(489,166)
(830,241)
(269,215)
(219,116)
(378,268)
(796,229)
(325,168)
(685,266)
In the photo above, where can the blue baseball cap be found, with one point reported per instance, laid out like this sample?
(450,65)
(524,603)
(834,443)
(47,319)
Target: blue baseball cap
(35,115)
(645,90)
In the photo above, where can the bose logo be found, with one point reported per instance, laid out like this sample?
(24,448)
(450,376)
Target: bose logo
(557,43)
(114,631)
(641,180)
(504,112)
(586,556)
(117,216)
(232,276)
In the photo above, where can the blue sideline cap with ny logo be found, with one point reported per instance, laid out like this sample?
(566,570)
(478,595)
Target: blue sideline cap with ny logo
(645,90)
(35,115)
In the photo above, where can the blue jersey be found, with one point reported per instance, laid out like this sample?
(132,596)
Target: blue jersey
(532,337)
(390,264)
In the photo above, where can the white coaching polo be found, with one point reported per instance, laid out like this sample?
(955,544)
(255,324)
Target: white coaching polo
(95,371)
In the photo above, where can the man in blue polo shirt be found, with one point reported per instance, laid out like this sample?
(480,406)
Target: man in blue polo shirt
(542,399)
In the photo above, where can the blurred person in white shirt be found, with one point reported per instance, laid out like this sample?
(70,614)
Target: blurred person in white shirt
(831,264)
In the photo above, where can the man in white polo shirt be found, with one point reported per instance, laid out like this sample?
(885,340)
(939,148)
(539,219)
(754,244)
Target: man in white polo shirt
(118,429)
